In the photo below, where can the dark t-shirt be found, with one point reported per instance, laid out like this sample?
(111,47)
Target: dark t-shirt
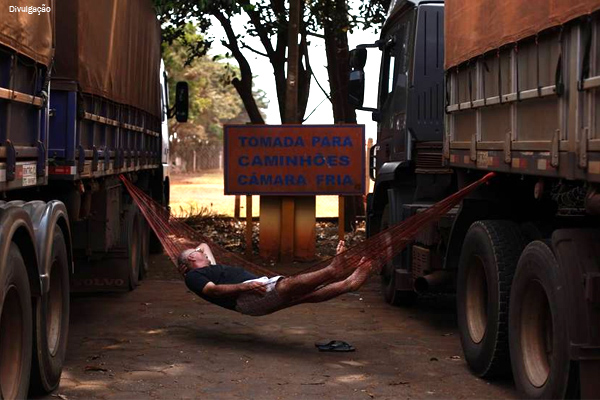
(196,279)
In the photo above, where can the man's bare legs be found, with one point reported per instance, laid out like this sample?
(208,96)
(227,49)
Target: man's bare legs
(350,284)
(298,286)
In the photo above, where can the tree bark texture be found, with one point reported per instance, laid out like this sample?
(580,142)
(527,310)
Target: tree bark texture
(338,55)
(244,85)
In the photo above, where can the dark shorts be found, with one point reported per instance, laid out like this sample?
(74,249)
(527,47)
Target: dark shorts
(255,304)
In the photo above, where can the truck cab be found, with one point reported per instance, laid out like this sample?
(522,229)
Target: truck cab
(410,100)
(521,103)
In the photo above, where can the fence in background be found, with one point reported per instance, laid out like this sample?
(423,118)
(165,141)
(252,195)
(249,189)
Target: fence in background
(203,157)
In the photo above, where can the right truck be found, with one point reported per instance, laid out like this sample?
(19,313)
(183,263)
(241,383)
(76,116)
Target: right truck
(513,87)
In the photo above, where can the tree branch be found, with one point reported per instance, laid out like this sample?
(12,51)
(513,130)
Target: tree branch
(244,85)
(321,87)
(317,35)
(260,53)
(262,33)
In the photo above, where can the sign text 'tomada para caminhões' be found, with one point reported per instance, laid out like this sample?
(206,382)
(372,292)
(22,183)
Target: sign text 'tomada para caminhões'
(294,159)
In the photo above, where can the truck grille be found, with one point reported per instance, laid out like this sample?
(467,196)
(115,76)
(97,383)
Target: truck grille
(429,157)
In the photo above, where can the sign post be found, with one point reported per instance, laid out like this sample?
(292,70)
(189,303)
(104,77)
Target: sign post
(296,161)
(249,227)
(341,215)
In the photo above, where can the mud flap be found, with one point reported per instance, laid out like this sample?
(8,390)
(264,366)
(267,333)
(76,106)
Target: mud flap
(109,274)
(578,254)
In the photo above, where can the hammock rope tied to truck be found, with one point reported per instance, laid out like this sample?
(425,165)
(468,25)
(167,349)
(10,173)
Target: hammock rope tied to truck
(176,236)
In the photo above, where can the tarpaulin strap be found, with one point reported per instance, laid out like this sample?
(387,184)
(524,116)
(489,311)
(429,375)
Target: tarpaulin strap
(177,236)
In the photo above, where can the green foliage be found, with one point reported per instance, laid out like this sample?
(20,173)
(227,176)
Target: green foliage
(175,17)
(268,23)
(212,100)
(372,13)
(368,14)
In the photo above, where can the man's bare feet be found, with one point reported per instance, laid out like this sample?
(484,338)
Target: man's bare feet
(341,247)
(360,275)
(337,263)
(368,265)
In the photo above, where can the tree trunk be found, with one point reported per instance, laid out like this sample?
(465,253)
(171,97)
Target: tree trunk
(304,75)
(244,89)
(338,55)
(243,85)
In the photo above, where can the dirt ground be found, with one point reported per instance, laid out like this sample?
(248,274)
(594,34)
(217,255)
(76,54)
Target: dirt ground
(162,342)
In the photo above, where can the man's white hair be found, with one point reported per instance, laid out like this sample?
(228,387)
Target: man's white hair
(183,257)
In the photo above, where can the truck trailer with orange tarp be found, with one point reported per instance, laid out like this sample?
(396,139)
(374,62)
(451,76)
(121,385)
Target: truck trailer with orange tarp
(82,100)
(468,87)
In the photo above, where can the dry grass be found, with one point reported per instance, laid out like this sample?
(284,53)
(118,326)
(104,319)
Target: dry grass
(203,193)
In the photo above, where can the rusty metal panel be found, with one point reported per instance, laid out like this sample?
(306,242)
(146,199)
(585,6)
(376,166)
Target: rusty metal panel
(537,119)
(537,62)
(464,126)
(495,122)
(490,75)
(467,89)
(496,72)
(532,114)
(294,159)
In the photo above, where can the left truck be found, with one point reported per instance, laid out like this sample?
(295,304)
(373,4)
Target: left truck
(83,99)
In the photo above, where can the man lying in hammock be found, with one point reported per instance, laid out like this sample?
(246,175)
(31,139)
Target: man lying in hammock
(236,289)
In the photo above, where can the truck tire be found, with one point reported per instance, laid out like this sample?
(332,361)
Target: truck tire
(16,330)
(388,275)
(130,239)
(539,345)
(51,321)
(488,259)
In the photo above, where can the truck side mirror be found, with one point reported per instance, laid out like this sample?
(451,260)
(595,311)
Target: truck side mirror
(181,101)
(356,80)
(358,59)
(356,88)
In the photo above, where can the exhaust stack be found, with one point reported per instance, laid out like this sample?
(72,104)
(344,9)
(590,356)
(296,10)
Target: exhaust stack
(431,281)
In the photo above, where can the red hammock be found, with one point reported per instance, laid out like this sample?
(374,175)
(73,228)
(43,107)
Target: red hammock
(176,236)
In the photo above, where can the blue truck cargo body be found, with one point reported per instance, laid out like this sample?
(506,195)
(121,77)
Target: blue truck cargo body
(82,100)
(23,121)
(92,137)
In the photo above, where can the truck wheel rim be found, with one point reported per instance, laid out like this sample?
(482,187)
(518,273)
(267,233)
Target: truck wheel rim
(536,334)
(11,343)
(476,299)
(55,304)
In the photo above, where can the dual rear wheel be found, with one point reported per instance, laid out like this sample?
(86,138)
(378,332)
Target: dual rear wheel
(539,345)
(51,321)
(489,256)
(135,237)
(16,328)
(511,311)
(43,322)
